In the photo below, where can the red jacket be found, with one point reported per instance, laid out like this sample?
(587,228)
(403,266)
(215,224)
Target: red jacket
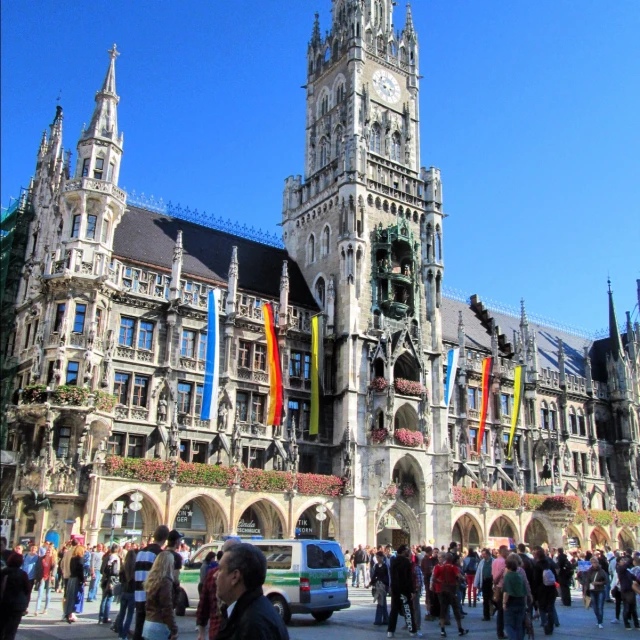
(208,610)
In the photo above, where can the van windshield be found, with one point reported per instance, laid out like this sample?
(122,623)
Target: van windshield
(323,556)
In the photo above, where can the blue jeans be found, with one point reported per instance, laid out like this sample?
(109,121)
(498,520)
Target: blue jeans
(44,587)
(155,631)
(597,602)
(127,608)
(105,607)
(382,615)
(543,616)
(93,587)
(514,618)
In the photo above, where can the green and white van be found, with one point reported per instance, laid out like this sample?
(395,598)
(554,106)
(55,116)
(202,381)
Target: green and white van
(303,576)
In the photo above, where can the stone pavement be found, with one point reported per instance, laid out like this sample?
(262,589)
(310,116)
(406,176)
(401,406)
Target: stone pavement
(354,623)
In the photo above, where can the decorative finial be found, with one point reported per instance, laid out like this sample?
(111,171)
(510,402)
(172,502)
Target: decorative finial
(113,52)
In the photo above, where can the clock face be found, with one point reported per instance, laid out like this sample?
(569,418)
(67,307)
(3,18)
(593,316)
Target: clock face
(386,86)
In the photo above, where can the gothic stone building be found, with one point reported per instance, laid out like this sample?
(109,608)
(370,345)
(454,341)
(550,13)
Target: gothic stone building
(112,299)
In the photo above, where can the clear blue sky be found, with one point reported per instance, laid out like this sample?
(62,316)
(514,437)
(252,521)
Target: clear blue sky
(530,109)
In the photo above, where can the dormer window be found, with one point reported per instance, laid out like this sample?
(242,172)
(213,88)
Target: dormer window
(98,169)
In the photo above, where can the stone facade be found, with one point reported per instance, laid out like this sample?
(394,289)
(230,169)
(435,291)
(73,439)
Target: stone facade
(113,302)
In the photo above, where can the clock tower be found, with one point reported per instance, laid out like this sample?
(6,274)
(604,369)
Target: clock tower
(364,223)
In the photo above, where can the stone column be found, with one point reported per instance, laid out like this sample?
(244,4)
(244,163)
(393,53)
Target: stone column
(232,511)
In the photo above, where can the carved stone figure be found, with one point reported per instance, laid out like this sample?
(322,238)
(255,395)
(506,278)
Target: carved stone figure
(566,459)
(223,417)
(162,409)
(545,474)
(556,473)
(594,464)
(497,448)
(483,471)
(36,360)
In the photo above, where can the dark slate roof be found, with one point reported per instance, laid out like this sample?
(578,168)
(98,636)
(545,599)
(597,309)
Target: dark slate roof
(478,336)
(149,237)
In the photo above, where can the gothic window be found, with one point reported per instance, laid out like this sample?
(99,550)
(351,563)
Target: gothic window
(185,390)
(324,104)
(260,357)
(553,418)
(242,405)
(85,167)
(340,93)
(59,316)
(188,343)
(395,147)
(135,449)
(105,231)
(295,365)
(72,372)
(374,139)
(582,429)
(145,335)
(78,321)
(111,171)
(202,346)
(505,403)
(544,416)
(324,152)
(257,408)
(98,170)
(320,291)
(326,241)
(338,145)
(121,387)
(140,388)
(91,227)
(64,442)
(75,228)
(573,423)
(438,244)
(244,354)
(125,337)
(311,249)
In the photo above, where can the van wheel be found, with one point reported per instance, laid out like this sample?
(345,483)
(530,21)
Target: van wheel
(321,616)
(280,605)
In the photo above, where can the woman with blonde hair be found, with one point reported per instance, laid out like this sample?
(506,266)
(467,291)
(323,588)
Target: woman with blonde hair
(74,597)
(160,622)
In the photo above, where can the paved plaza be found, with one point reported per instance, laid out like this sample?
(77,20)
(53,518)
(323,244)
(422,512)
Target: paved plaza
(354,623)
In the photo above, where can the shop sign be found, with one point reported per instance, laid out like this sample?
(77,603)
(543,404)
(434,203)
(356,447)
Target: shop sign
(5,529)
(304,525)
(248,528)
(185,515)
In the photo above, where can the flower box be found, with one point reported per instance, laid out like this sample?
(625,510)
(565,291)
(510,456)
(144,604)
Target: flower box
(378,384)
(579,517)
(408,387)
(600,517)
(533,501)
(105,401)
(503,499)
(468,496)
(209,475)
(261,480)
(316,484)
(34,394)
(408,490)
(627,519)
(71,395)
(378,436)
(408,438)
(138,468)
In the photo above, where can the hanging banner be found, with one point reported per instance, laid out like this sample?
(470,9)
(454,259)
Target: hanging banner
(212,362)
(316,373)
(518,387)
(452,367)
(275,371)
(486,375)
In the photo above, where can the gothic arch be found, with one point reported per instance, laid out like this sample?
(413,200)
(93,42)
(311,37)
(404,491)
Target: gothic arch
(536,533)
(502,526)
(626,539)
(311,248)
(407,367)
(408,516)
(464,527)
(268,509)
(598,499)
(319,289)
(325,241)
(407,467)
(599,537)
(151,512)
(329,511)
(211,507)
(406,418)
(324,94)
(339,80)
(574,532)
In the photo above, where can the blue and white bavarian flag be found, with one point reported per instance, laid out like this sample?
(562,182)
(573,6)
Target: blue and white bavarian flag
(452,367)
(212,363)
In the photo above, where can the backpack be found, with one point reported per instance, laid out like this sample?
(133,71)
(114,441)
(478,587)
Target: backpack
(472,567)
(548,578)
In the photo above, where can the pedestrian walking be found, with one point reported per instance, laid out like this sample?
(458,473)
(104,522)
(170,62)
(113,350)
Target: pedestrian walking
(402,588)
(160,621)
(565,575)
(94,568)
(469,568)
(361,558)
(498,569)
(127,595)
(594,583)
(483,582)
(448,578)
(45,578)
(110,571)
(514,598)
(626,581)
(74,594)
(380,580)
(15,595)
(544,589)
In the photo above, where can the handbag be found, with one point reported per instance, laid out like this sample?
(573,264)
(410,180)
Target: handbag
(587,601)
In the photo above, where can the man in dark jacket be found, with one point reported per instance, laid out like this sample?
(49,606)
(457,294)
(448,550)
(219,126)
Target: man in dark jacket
(402,588)
(241,574)
(15,598)
(544,596)
(565,571)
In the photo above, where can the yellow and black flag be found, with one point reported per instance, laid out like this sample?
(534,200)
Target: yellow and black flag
(317,370)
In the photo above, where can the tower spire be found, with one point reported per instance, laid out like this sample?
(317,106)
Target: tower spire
(408,27)
(615,342)
(104,121)
(316,37)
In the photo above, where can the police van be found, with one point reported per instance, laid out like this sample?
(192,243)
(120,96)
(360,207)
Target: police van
(303,576)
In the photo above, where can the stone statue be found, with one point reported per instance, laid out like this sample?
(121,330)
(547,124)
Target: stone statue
(518,474)
(556,473)
(36,360)
(545,475)
(88,364)
(463,445)
(236,439)
(223,417)
(108,357)
(584,499)
(483,471)
(566,458)
(162,409)
(632,499)
(594,464)
(497,448)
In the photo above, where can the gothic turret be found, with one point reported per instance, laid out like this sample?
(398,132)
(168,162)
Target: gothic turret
(615,342)
(176,269)
(232,286)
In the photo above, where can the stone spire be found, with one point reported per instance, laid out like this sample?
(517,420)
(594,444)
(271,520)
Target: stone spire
(561,364)
(461,335)
(587,370)
(232,286)
(409,30)
(632,347)
(615,341)
(284,297)
(176,269)
(316,37)
(104,121)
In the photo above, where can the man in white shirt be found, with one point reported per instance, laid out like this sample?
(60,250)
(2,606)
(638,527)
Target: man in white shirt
(94,568)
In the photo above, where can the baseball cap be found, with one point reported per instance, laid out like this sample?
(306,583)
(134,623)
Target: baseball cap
(174,535)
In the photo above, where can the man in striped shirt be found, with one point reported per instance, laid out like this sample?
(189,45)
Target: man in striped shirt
(144,561)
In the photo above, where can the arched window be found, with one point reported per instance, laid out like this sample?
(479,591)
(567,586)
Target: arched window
(311,249)
(573,422)
(340,93)
(320,291)
(326,241)
(327,55)
(324,152)
(374,140)
(324,105)
(338,145)
(395,147)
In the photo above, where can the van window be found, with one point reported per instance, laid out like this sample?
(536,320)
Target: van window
(323,557)
(278,556)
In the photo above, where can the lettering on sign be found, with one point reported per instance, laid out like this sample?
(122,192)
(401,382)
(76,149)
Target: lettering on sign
(185,516)
(248,528)
(304,526)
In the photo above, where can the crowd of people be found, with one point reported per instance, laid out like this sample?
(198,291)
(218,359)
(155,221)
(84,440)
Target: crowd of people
(147,583)
(514,586)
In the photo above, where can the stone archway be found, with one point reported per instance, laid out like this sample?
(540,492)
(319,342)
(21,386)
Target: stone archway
(599,538)
(626,539)
(200,519)
(503,527)
(573,537)
(397,525)
(307,524)
(467,531)
(536,533)
(261,518)
(406,418)
(144,519)
(407,474)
